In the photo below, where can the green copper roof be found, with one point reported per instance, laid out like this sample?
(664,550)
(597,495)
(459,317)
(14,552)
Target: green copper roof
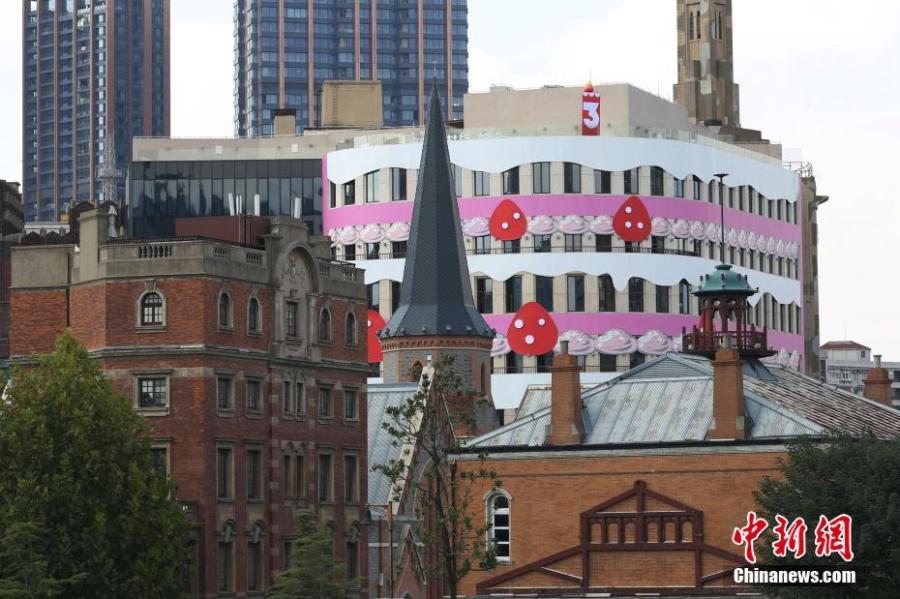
(724,280)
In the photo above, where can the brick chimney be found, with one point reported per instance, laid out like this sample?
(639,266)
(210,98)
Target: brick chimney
(728,396)
(878,384)
(566,426)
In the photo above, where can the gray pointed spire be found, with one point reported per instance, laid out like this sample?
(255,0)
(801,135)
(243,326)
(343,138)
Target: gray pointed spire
(436,295)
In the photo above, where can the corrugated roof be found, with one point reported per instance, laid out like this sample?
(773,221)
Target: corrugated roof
(670,399)
(381,444)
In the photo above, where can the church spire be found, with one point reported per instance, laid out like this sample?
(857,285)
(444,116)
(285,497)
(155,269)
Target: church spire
(436,294)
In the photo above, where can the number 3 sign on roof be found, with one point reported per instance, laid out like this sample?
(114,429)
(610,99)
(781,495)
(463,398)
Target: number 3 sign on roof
(590,110)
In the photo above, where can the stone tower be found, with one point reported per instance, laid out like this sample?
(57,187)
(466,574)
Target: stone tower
(437,315)
(706,84)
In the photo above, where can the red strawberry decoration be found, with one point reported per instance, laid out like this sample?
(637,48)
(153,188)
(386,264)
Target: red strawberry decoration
(375,324)
(532,332)
(632,221)
(508,221)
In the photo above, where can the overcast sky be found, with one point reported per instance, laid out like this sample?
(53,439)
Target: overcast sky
(816,76)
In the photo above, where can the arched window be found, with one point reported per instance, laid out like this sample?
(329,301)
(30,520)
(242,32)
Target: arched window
(351,333)
(606,293)
(255,558)
(224,310)
(254,324)
(635,294)
(691,25)
(152,313)
(684,297)
(325,325)
(498,520)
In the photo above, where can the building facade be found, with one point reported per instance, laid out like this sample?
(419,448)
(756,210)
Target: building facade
(95,74)
(845,364)
(247,360)
(285,50)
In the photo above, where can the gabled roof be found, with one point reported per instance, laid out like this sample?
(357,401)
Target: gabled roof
(844,345)
(669,399)
(381,444)
(435,295)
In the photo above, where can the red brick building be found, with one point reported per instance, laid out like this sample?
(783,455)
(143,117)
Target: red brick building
(249,362)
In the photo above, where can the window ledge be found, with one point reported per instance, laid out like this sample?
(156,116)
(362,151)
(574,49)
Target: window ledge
(225,329)
(224,413)
(161,411)
(254,333)
(156,328)
(254,414)
(226,500)
(326,419)
(258,501)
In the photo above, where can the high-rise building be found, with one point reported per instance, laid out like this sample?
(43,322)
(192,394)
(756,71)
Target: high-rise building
(95,73)
(286,49)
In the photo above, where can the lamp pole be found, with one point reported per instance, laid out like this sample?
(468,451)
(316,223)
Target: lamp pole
(721,177)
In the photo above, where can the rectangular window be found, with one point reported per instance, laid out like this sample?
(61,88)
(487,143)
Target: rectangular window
(657,245)
(511,181)
(224,399)
(288,488)
(254,566)
(152,392)
(398,184)
(513,294)
(513,246)
(575,293)
(253,396)
(372,251)
(224,469)
(350,252)
(656,181)
(350,477)
(290,318)
(482,182)
(373,296)
(607,293)
(543,292)
(541,243)
(571,177)
(540,177)
(301,400)
(254,474)
(371,187)
(483,244)
(635,359)
(398,249)
(603,243)
(573,243)
(349,189)
(225,566)
(351,405)
(678,188)
(513,363)
(326,477)
(607,363)
(484,295)
(662,299)
(159,459)
(602,182)
(631,178)
(326,407)
(632,247)
(457,180)
(635,294)
(395,296)
(300,477)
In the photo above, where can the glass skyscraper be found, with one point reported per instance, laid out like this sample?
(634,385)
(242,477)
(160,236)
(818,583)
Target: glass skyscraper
(95,73)
(286,49)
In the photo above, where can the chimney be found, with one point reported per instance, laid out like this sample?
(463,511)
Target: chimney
(878,384)
(285,121)
(728,395)
(566,426)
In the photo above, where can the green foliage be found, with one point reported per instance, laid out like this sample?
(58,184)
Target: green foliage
(858,476)
(314,572)
(78,489)
(444,494)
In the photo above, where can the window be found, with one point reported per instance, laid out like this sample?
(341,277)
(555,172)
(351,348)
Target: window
(325,326)
(635,294)
(540,177)
(253,319)
(603,243)
(398,184)
(301,399)
(224,399)
(575,293)
(254,564)
(657,244)
(483,244)
(572,242)
(287,399)
(684,297)
(352,557)
(224,311)
(350,252)
(224,470)
(482,182)
(541,243)
(513,294)
(351,405)
(662,299)
(254,474)
(371,187)
(543,287)
(326,476)
(350,333)
(656,181)
(513,363)
(373,296)
(513,246)
(372,251)
(326,407)
(226,563)
(571,177)
(499,531)
(152,310)
(678,188)
(631,180)
(602,181)
(635,359)
(395,295)
(457,180)
(349,189)
(253,396)
(152,392)
(696,187)
(290,318)
(511,181)
(632,247)
(484,295)
(607,293)
(350,477)
(300,477)
(398,249)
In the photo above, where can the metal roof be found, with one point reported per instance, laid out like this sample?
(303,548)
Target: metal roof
(381,444)
(670,399)
(435,295)
(844,345)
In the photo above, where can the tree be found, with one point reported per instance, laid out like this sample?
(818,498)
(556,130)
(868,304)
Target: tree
(78,487)
(425,474)
(858,476)
(314,571)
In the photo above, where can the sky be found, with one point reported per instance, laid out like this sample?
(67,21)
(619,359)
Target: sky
(819,78)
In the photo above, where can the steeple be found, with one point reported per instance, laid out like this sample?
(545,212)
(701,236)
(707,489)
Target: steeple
(436,295)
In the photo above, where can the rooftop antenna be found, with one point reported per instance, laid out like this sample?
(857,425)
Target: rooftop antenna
(721,177)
